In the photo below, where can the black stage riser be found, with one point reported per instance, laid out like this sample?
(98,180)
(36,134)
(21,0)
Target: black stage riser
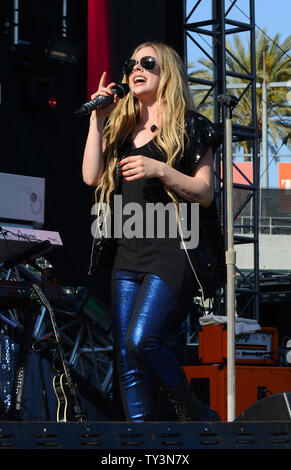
(163,435)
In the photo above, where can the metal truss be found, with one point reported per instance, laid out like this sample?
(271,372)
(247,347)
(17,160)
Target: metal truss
(84,326)
(209,37)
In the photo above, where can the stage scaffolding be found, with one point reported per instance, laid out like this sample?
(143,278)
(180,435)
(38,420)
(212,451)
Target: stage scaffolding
(220,27)
(209,36)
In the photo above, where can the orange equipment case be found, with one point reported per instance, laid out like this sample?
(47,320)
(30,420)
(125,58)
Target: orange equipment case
(212,348)
(252,383)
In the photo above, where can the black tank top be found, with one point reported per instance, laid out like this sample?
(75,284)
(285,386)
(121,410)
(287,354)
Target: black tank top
(150,244)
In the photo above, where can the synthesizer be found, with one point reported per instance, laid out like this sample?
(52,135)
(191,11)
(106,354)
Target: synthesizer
(17,241)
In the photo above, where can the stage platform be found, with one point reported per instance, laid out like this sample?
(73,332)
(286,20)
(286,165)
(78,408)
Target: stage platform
(152,435)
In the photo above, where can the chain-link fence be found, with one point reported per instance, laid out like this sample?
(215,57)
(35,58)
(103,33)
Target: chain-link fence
(274,211)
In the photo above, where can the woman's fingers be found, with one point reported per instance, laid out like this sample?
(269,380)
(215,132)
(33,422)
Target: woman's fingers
(135,166)
(100,86)
(130,160)
(102,89)
(139,166)
(102,80)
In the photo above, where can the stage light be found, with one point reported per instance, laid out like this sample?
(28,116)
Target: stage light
(64,50)
(40,91)
(52,102)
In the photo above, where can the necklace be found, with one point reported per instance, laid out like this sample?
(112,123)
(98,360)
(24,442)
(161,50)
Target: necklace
(153,127)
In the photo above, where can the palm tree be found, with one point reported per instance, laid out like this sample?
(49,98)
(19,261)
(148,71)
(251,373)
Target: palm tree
(277,69)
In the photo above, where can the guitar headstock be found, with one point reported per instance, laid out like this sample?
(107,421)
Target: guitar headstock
(40,297)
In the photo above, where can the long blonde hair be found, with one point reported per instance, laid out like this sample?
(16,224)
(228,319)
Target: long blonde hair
(173,93)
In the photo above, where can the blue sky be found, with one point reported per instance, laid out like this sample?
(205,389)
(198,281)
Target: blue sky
(275,15)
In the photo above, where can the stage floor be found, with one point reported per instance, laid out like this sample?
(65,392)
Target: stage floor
(151,435)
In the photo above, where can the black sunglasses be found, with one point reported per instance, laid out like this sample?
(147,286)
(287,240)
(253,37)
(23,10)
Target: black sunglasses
(148,62)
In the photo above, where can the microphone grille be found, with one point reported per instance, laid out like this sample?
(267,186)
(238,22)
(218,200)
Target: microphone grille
(121,89)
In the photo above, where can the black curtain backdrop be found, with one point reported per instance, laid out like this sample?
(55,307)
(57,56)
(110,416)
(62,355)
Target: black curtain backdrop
(42,142)
(37,141)
(132,23)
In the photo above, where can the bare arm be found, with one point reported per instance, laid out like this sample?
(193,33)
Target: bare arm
(93,159)
(197,188)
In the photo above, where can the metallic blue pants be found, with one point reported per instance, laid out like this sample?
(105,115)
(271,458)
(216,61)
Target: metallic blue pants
(143,308)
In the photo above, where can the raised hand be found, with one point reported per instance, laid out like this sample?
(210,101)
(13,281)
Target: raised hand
(104,91)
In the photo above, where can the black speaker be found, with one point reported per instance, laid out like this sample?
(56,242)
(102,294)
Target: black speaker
(273,408)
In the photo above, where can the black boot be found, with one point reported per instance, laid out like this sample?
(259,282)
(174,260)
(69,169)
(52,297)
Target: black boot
(186,405)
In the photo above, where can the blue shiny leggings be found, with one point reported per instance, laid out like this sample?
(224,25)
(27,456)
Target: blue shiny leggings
(143,308)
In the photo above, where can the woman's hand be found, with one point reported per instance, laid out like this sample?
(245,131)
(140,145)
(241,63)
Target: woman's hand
(104,91)
(139,166)
(93,157)
(197,188)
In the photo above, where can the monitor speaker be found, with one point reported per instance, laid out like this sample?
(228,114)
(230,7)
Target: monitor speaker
(273,408)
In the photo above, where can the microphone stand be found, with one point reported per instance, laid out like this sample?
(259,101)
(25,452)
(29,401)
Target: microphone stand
(229,102)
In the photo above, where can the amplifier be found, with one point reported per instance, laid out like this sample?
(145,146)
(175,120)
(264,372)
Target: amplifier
(253,383)
(260,347)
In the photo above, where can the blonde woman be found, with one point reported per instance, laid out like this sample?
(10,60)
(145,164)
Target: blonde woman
(150,148)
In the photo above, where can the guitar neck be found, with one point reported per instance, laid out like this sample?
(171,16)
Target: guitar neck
(65,366)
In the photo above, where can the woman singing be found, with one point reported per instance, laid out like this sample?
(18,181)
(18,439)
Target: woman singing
(151,148)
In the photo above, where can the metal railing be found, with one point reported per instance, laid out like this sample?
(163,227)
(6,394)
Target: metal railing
(267,225)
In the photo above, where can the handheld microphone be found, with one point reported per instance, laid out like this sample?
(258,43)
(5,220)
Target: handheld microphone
(101,101)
